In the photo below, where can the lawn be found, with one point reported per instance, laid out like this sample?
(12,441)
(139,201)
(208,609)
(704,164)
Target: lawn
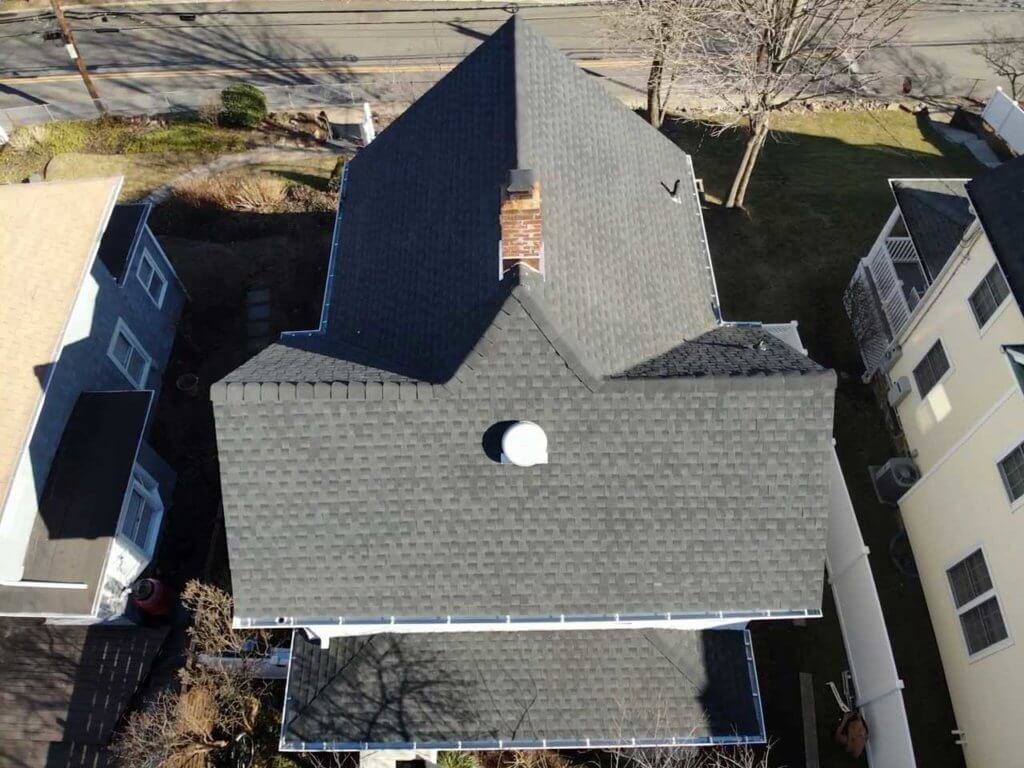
(152,152)
(815,205)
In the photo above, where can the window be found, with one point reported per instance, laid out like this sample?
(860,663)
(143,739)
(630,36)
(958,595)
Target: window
(931,369)
(142,511)
(1011,468)
(128,355)
(152,278)
(976,603)
(988,296)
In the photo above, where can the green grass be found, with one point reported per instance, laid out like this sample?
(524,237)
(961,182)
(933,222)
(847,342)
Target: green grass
(33,147)
(815,205)
(816,202)
(186,137)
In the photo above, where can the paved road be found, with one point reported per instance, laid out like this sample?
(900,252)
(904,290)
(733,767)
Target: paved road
(392,48)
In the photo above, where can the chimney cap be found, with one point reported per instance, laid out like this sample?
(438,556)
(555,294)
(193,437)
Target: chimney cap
(521,180)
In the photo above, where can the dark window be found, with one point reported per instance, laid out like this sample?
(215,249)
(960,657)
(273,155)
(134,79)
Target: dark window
(1015,353)
(1012,470)
(988,296)
(983,626)
(976,603)
(930,369)
(969,579)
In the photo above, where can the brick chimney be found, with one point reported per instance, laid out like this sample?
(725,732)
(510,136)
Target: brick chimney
(521,238)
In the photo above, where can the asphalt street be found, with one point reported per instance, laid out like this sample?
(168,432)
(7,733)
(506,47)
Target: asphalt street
(391,50)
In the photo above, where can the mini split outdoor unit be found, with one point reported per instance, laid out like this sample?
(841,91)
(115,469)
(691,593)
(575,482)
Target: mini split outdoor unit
(894,478)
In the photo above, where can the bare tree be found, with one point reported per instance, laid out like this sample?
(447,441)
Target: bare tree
(757,56)
(1005,55)
(767,54)
(664,32)
(213,704)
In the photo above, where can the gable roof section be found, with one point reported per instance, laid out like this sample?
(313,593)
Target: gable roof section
(366,500)
(49,235)
(937,213)
(64,689)
(627,271)
(522,689)
(998,198)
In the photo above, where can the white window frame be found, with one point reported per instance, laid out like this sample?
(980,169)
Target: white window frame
(142,483)
(984,597)
(146,257)
(122,329)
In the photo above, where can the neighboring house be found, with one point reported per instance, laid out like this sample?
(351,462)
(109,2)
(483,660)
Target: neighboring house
(523,487)
(88,311)
(943,287)
(64,689)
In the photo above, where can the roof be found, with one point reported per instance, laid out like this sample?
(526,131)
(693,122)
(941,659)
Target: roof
(627,271)
(936,213)
(49,233)
(689,462)
(81,502)
(365,499)
(521,688)
(63,689)
(998,198)
(121,233)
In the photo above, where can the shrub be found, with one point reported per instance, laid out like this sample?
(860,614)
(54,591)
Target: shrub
(457,760)
(334,183)
(52,138)
(242,106)
(252,194)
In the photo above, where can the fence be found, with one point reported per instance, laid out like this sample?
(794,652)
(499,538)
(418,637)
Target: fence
(879,688)
(190,101)
(1006,118)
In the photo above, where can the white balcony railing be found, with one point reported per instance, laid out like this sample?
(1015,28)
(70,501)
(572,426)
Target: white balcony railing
(878,300)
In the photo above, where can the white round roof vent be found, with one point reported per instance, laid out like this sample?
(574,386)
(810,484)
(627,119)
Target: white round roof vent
(524,444)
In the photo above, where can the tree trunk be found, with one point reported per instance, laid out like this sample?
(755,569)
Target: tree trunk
(654,110)
(758,136)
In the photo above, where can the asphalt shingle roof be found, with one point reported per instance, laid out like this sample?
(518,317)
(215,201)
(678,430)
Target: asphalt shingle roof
(356,477)
(937,213)
(521,687)
(998,199)
(63,689)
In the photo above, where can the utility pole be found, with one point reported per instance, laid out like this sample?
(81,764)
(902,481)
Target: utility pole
(76,55)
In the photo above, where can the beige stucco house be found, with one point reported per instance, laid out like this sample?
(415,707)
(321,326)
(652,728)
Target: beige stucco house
(936,308)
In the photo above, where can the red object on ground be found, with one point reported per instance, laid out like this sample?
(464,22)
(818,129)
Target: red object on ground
(153,597)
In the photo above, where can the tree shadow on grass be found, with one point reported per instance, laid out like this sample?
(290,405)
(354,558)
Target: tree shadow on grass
(814,207)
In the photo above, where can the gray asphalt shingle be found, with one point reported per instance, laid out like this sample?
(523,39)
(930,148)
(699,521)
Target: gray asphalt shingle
(521,688)
(355,478)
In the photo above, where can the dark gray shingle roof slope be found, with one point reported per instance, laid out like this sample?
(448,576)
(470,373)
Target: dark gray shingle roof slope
(522,687)
(729,350)
(627,272)
(998,198)
(63,690)
(937,214)
(369,499)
